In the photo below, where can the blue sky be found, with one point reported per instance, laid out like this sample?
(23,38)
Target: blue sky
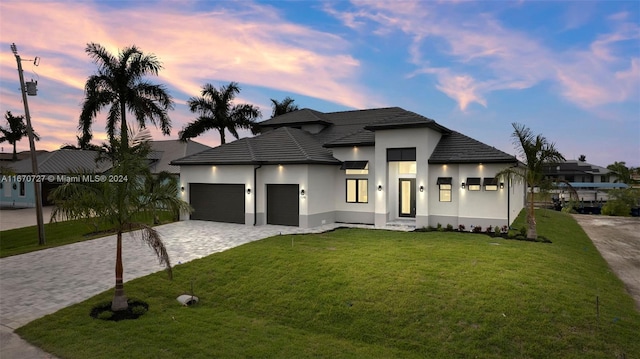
(568,70)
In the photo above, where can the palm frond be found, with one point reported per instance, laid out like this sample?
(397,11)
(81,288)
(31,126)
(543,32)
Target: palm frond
(153,239)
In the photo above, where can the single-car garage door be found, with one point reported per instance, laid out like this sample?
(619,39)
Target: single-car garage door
(282,204)
(217,202)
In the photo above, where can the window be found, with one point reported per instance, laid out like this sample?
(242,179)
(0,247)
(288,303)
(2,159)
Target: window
(473,183)
(355,167)
(22,189)
(445,193)
(445,188)
(408,167)
(357,191)
(490,184)
(401,154)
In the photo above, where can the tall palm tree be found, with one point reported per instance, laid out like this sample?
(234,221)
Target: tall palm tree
(120,86)
(282,107)
(215,111)
(14,132)
(536,152)
(119,204)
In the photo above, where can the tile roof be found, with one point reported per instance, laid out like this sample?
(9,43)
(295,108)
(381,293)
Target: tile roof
(63,162)
(458,148)
(283,145)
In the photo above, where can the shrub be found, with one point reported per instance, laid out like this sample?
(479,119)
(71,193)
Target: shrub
(489,230)
(523,231)
(620,202)
(439,228)
(461,227)
(449,227)
(497,229)
(504,229)
(477,229)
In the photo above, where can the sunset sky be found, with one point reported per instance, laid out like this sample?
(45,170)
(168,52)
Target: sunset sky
(568,70)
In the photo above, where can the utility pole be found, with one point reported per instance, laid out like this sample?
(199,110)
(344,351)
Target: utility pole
(32,146)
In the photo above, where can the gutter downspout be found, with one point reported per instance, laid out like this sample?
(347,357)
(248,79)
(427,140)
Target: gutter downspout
(255,194)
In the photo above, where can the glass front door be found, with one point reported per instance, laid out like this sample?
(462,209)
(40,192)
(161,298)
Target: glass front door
(407,202)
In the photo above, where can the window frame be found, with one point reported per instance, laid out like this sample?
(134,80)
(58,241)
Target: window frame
(445,190)
(358,193)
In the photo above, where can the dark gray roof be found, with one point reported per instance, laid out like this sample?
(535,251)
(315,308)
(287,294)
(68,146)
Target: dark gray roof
(458,148)
(283,145)
(63,162)
(573,167)
(305,115)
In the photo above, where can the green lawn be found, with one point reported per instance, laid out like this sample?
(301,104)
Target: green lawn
(356,293)
(24,240)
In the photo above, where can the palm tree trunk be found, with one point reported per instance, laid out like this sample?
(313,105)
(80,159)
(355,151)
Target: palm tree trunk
(124,130)
(119,298)
(532,232)
(222,139)
(15,154)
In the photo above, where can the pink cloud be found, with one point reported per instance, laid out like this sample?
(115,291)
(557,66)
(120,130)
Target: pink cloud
(505,58)
(251,45)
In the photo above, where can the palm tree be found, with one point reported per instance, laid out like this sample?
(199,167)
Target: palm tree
(621,171)
(536,152)
(216,111)
(14,132)
(119,84)
(282,107)
(120,204)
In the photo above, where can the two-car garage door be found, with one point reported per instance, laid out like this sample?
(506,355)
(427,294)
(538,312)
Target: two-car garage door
(226,203)
(217,202)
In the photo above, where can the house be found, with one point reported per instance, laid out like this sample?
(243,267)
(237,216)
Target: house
(589,181)
(60,166)
(375,166)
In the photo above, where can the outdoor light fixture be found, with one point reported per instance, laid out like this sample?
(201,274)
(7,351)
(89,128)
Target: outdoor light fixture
(182,188)
(501,185)
(302,193)
(379,188)
(462,185)
(248,190)
(421,188)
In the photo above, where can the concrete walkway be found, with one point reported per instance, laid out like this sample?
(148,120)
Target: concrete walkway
(35,284)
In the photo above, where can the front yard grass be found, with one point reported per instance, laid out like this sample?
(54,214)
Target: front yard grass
(25,240)
(355,293)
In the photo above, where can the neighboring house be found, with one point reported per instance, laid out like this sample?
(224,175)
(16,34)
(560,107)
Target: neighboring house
(589,181)
(374,166)
(60,166)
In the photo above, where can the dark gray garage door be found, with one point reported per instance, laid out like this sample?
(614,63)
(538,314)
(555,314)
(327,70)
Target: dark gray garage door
(282,204)
(217,202)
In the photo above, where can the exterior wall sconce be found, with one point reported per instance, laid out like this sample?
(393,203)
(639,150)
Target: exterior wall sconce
(248,190)
(501,185)
(302,193)
(463,185)
(421,188)
(380,188)
(182,189)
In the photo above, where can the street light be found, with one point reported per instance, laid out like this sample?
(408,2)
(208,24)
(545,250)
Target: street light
(31,90)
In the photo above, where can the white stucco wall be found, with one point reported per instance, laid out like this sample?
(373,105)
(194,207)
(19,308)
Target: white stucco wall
(354,212)
(227,174)
(424,140)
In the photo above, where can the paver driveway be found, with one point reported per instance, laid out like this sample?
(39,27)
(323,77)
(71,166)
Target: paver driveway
(39,283)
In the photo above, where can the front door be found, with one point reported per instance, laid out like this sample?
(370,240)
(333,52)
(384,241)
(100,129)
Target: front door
(407,202)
